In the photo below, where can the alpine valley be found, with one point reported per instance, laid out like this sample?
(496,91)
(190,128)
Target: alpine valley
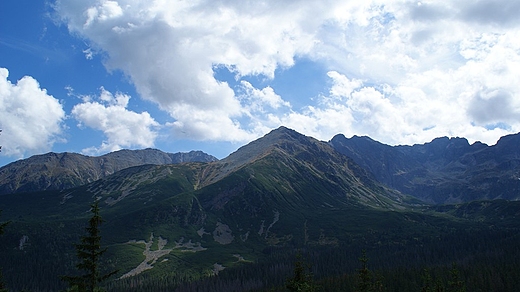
(444,214)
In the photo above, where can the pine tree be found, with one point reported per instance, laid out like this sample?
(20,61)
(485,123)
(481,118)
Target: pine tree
(368,282)
(301,280)
(89,252)
(365,277)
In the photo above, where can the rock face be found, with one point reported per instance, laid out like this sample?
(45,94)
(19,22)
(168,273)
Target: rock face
(446,170)
(58,171)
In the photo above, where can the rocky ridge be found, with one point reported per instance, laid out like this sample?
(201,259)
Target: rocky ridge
(59,171)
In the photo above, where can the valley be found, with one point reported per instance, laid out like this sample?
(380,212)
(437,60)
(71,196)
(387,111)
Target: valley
(236,224)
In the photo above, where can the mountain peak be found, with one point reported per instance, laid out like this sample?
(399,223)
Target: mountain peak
(281,133)
(301,169)
(283,142)
(285,130)
(260,147)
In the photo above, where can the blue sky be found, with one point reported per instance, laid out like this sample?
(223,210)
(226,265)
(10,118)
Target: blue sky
(94,76)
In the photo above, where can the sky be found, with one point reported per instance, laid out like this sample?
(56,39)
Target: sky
(95,76)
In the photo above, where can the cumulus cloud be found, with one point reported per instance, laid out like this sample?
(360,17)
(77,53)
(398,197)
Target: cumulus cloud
(259,99)
(428,105)
(168,49)
(30,118)
(401,71)
(123,128)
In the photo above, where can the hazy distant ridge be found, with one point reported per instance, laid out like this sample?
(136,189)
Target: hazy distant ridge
(446,170)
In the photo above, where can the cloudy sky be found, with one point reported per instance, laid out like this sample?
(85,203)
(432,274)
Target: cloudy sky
(94,76)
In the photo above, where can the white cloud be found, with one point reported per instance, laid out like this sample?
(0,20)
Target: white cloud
(104,11)
(123,128)
(258,99)
(200,124)
(169,48)
(342,86)
(89,55)
(401,71)
(427,106)
(30,118)
(427,71)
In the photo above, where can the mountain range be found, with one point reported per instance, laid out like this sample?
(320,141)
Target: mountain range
(175,219)
(445,170)
(59,171)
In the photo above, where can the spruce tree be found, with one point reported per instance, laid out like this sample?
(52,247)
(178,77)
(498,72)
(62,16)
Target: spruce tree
(302,279)
(368,282)
(89,252)
(365,277)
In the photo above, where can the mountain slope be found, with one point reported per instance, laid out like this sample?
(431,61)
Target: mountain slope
(288,162)
(446,170)
(181,222)
(285,190)
(284,169)
(59,171)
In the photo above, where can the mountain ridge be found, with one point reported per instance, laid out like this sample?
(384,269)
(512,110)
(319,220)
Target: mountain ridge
(58,171)
(295,154)
(445,170)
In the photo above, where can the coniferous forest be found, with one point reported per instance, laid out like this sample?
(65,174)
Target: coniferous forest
(284,213)
(485,259)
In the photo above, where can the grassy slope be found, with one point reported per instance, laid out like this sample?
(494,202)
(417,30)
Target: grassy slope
(264,206)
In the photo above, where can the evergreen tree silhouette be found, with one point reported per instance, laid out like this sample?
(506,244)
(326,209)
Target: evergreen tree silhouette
(301,280)
(89,252)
